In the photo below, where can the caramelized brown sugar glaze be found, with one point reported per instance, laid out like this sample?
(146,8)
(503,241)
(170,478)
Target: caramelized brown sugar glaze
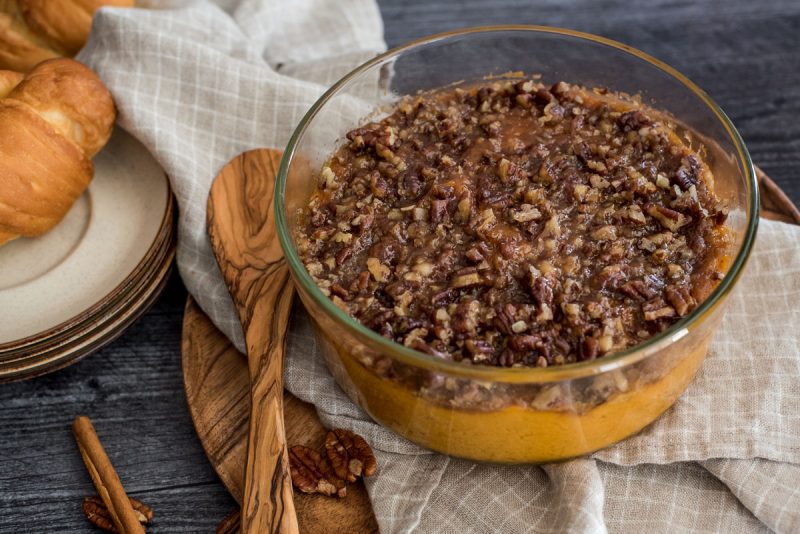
(514,224)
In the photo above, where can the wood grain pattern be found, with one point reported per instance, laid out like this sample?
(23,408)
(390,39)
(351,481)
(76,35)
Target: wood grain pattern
(743,53)
(242,229)
(775,204)
(215,376)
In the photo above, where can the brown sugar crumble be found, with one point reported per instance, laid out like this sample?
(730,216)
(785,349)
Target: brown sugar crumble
(512,224)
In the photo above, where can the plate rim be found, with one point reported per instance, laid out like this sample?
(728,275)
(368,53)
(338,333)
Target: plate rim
(102,332)
(73,323)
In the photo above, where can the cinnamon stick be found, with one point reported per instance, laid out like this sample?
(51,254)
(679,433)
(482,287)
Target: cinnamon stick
(105,479)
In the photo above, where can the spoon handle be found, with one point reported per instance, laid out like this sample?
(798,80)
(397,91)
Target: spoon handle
(243,235)
(268,504)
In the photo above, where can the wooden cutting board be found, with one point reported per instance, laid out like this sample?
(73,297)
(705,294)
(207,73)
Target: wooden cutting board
(216,382)
(217,390)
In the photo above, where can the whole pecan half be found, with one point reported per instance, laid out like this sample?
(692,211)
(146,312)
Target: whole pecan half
(311,473)
(349,454)
(96,512)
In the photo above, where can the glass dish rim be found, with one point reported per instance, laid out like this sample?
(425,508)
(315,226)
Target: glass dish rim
(571,371)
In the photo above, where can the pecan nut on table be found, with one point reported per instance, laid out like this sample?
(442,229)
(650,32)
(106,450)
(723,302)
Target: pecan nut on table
(96,512)
(347,456)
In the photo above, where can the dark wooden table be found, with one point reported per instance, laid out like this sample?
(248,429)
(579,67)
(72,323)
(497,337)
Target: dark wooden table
(744,53)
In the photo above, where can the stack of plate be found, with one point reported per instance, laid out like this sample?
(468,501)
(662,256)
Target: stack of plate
(76,288)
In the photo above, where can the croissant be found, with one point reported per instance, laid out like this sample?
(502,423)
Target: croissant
(52,121)
(32,31)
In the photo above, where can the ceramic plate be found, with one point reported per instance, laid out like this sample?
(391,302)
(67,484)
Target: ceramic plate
(75,288)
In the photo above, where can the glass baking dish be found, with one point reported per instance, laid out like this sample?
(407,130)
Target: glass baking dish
(514,415)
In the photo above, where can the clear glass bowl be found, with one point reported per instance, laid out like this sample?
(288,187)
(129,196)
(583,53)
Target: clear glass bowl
(517,414)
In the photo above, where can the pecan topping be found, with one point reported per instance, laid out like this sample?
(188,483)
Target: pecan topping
(349,454)
(514,223)
(311,473)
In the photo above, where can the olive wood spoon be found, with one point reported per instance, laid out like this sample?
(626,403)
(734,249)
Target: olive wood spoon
(241,226)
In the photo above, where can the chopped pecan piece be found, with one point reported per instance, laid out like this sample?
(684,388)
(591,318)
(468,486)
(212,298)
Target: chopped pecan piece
(669,218)
(474,256)
(526,213)
(465,318)
(504,319)
(681,299)
(657,309)
(466,280)
(360,283)
(611,277)
(438,211)
(541,291)
(588,349)
(339,291)
(637,289)
(428,349)
(379,185)
(343,255)
(524,343)
(689,172)
(481,350)
(634,120)
(542,97)
(605,233)
(379,271)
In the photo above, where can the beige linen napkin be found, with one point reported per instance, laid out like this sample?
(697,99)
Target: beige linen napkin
(199,83)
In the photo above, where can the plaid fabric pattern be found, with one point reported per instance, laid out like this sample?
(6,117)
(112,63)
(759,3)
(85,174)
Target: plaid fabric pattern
(199,85)
(199,82)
